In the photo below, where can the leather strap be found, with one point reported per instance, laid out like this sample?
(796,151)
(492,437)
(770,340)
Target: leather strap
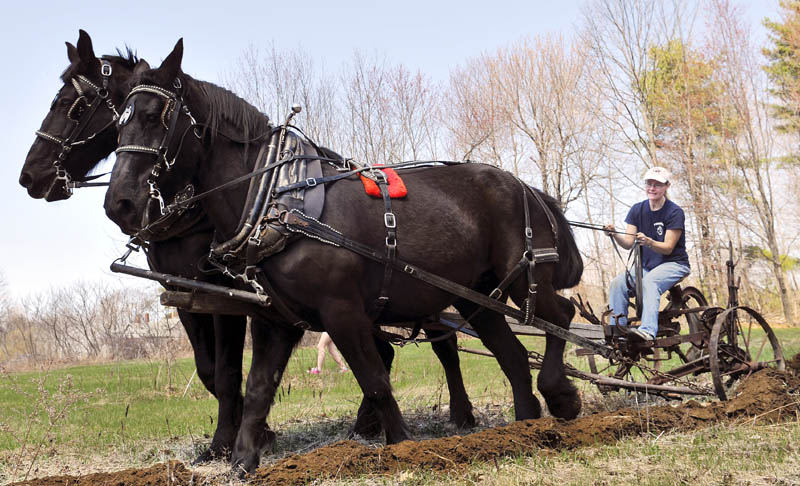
(390,222)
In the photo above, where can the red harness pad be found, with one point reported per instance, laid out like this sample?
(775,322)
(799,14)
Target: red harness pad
(397,188)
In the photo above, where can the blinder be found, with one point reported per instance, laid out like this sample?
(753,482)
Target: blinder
(78,108)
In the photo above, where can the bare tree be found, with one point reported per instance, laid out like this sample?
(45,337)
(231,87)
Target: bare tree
(473,115)
(274,80)
(416,108)
(752,150)
(546,97)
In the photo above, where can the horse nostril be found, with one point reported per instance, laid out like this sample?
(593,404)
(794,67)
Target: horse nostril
(124,206)
(25,180)
(120,212)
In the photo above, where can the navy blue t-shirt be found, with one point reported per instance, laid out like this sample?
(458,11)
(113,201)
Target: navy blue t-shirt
(655,225)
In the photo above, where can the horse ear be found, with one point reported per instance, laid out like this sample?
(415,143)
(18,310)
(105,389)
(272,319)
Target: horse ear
(72,53)
(85,50)
(172,64)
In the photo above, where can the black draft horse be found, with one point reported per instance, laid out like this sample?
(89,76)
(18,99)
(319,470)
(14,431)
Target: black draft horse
(463,222)
(217,340)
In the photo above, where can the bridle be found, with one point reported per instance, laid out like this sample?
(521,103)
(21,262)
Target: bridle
(173,107)
(80,113)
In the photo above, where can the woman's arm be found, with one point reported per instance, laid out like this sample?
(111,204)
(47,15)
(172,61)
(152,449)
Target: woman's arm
(626,240)
(664,247)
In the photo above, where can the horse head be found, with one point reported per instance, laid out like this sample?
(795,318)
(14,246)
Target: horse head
(163,150)
(155,128)
(79,130)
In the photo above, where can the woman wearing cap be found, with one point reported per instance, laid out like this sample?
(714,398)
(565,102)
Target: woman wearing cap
(657,224)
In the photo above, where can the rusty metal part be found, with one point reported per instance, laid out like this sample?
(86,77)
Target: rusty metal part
(668,391)
(733,352)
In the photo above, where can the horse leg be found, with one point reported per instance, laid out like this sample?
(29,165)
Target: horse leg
(200,330)
(229,346)
(273,344)
(511,355)
(447,352)
(351,331)
(368,423)
(561,396)
(218,369)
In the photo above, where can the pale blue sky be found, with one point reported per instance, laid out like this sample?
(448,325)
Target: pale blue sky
(54,244)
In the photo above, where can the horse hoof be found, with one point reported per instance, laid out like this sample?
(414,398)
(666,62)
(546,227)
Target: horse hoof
(245,465)
(213,453)
(463,420)
(204,458)
(565,405)
(367,428)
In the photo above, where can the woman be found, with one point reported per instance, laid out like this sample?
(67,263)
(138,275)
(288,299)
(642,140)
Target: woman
(326,343)
(657,224)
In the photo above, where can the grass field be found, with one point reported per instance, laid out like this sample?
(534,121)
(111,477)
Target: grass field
(134,410)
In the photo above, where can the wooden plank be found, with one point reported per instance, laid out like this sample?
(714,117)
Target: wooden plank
(588,331)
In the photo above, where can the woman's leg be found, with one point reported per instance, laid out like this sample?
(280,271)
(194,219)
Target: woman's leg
(322,344)
(654,283)
(618,299)
(336,356)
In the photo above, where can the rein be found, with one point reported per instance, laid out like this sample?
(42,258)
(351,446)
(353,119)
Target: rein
(84,114)
(635,254)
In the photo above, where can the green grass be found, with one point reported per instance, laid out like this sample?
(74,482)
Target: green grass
(126,402)
(137,407)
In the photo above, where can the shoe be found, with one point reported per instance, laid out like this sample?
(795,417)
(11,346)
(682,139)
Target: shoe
(343,370)
(643,335)
(315,371)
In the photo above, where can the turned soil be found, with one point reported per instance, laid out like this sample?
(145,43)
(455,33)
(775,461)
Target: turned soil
(767,396)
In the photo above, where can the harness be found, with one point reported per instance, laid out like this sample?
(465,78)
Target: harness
(263,213)
(80,113)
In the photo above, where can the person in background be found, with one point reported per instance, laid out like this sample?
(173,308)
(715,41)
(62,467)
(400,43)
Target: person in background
(657,224)
(326,343)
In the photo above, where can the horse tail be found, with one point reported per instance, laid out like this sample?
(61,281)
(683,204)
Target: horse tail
(570,262)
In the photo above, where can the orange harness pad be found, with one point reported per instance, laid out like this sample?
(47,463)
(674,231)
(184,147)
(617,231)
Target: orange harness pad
(397,187)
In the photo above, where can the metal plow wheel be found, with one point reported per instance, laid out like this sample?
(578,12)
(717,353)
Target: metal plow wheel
(741,343)
(692,298)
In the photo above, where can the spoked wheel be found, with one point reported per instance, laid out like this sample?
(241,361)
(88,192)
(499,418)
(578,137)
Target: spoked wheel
(692,298)
(741,343)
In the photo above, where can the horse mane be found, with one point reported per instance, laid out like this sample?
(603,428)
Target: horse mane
(570,267)
(223,106)
(127,58)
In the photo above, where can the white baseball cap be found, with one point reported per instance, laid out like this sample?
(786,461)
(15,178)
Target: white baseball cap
(659,174)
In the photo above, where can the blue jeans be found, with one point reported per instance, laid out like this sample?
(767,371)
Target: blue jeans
(654,283)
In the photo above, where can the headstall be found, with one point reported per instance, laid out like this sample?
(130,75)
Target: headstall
(80,113)
(173,107)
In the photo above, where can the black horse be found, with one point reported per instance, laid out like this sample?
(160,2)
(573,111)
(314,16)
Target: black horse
(463,222)
(217,340)
(91,135)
